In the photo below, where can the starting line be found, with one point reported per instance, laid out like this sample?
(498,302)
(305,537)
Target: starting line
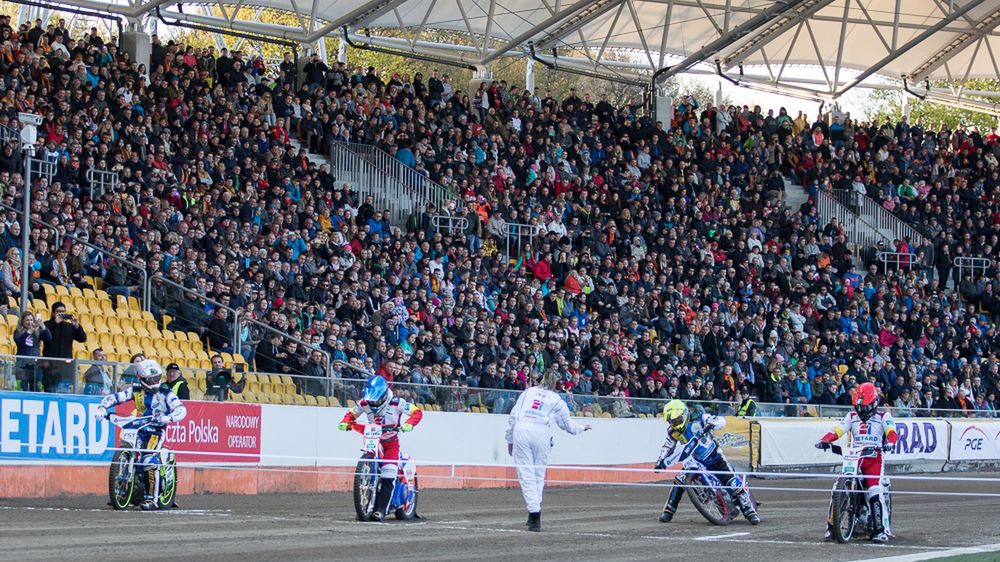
(916,557)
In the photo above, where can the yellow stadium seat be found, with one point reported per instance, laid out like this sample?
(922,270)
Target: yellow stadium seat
(61,290)
(334,401)
(76,292)
(299,400)
(322,401)
(310,400)
(351,403)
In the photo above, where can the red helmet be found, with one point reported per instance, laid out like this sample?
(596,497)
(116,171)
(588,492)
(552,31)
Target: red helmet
(865,400)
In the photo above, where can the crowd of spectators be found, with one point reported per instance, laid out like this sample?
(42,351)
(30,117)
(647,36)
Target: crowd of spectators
(668,265)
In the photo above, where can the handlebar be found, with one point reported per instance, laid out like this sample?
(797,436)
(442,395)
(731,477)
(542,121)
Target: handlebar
(867,451)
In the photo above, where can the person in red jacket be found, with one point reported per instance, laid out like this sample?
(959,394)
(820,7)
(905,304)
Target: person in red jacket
(380,406)
(868,427)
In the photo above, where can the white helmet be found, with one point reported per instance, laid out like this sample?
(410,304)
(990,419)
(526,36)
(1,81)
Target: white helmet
(148,371)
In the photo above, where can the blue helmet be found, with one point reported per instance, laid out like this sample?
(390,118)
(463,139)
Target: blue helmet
(376,392)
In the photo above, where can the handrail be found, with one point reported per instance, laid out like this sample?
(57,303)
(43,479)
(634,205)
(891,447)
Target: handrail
(236,330)
(410,177)
(899,259)
(858,230)
(882,218)
(287,336)
(520,231)
(385,191)
(102,251)
(971,263)
(451,223)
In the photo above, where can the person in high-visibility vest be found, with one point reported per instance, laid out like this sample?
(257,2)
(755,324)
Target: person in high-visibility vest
(177,383)
(748,408)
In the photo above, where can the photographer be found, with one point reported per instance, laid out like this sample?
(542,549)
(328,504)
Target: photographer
(219,381)
(65,329)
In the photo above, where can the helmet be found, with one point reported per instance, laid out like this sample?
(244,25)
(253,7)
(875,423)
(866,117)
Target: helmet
(675,413)
(148,371)
(376,392)
(865,400)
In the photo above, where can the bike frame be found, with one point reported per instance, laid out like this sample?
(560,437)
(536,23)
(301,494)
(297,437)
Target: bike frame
(131,426)
(851,469)
(372,443)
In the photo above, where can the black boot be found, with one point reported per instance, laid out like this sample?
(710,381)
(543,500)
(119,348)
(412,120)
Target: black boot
(382,499)
(666,516)
(878,534)
(673,500)
(535,521)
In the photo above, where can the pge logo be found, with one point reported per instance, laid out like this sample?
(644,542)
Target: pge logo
(974,444)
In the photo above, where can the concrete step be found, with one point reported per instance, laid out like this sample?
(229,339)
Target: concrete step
(795,195)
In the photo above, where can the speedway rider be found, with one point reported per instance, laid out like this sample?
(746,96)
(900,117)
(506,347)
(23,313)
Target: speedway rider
(150,399)
(868,427)
(683,428)
(381,407)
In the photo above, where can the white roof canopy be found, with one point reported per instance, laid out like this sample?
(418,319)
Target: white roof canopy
(915,40)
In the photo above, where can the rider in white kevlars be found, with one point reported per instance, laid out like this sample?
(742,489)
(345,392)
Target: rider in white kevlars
(150,399)
(529,439)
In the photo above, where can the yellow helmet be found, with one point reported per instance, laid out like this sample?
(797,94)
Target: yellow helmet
(675,413)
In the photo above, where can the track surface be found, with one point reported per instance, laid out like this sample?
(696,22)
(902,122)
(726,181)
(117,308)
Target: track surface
(610,523)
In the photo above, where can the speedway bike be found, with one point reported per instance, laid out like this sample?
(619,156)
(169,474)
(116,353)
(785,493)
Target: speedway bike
(367,477)
(127,476)
(849,508)
(713,499)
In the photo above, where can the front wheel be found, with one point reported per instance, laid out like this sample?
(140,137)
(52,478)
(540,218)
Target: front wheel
(844,513)
(409,511)
(366,483)
(168,484)
(121,479)
(710,501)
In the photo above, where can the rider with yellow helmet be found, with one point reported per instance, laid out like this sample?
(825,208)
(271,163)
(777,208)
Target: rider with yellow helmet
(683,427)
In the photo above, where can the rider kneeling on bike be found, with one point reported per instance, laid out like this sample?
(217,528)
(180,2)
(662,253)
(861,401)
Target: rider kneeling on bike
(683,428)
(868,427)
(381,407)
(151,399)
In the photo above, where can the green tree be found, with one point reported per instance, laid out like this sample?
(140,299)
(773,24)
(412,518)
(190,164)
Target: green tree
(888,103)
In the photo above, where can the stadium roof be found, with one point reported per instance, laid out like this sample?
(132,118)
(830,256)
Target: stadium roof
(846,40)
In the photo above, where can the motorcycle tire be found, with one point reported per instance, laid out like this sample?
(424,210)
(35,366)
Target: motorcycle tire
(365,487)
(121,491)
(712,502)
(168,485)
(844,512)
(409,511)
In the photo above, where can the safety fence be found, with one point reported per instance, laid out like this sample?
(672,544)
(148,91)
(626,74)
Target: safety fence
(860,233)
(519,237)
(344,383)
(896,260)
(974,266)
(101,182)
(868,212)
(449,224)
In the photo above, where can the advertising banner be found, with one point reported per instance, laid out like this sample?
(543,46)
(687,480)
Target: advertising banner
(975,440)
(734,439)
(229,430)
(790,442)
(50,427)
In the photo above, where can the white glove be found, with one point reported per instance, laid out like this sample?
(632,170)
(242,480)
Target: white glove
(101,413)
(162,419)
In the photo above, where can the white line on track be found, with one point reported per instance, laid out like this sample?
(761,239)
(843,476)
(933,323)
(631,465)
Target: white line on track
(175,512)
(938,554)
(717,537)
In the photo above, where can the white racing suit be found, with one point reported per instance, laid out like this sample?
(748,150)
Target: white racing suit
(708,453)
(164,407)
(528,430)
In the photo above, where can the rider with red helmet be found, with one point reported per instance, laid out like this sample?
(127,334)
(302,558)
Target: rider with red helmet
(868,427)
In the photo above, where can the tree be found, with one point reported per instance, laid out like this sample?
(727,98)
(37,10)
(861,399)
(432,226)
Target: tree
(888,103)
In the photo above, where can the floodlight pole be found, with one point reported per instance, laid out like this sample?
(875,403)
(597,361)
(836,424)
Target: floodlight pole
(29,136)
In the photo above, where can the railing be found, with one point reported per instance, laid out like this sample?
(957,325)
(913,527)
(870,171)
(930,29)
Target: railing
(519,235)
(423,189)
(42,168)
(449,224)
(11,135)
(339,389)
(974,265)
(368,181)
(878,216)
(898,260)
(101,181)
(859,232)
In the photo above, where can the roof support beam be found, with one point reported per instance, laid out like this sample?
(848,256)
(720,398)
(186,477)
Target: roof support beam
(740,50)
(555,19)
(739,32)
(591,13)
(954,15)
(956,46)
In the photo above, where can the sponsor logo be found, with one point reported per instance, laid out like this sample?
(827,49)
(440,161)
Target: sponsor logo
(536,404)
(733,440)
(58,427)
(916,438)
(972,439)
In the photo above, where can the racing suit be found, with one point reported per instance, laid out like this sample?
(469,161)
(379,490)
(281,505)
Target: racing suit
(390,416)
(528,431)
(708,453)
(164,406)
(875,432)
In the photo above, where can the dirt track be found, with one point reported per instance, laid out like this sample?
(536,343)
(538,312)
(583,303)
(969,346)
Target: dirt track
(608,523)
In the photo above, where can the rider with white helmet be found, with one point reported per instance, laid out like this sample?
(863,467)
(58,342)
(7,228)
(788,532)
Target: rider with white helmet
(150,398)
(381,407)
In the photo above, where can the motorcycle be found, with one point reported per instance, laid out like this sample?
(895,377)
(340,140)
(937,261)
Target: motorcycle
(850,502)
(367,478)
(710,496)
(126,483)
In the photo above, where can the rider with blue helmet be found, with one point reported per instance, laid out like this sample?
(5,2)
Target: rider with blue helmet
(381,407)
(683,428)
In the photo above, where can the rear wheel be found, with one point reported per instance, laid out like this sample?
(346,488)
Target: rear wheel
(168,485)
(844,512)
(711,501)
(365,487)
(409,511)
(121,480)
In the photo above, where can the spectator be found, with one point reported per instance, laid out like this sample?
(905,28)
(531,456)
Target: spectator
(267,358)
(58,350)
(28,338)
(177,383)
(97,381)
